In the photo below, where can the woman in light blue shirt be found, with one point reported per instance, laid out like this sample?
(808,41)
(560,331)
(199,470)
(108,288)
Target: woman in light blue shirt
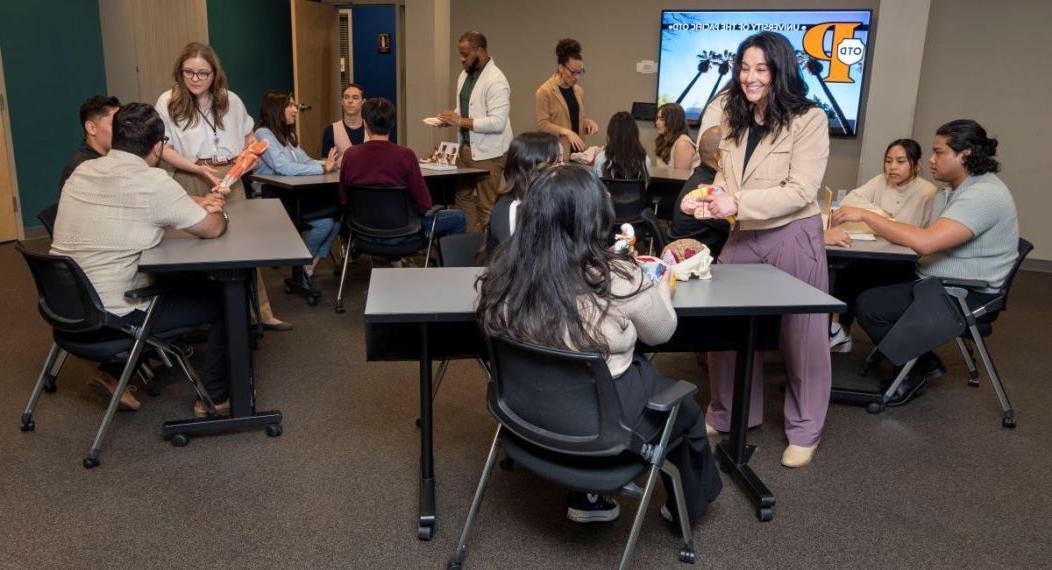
(284,157)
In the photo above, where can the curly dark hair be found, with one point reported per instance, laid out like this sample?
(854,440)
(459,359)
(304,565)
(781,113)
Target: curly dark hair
(786,95)
(556,266)
(966,134)
(567,49)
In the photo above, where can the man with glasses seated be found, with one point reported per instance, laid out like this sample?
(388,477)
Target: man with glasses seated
(117,206)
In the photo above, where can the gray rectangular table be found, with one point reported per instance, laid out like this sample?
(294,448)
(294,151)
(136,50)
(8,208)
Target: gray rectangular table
(738,309)
(259,234)
(880,249)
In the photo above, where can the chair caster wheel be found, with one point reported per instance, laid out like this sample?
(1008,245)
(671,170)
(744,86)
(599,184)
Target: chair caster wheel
(765,515)
(180,440)
(874,407)
(49,385)
(454,565)
(687,555)
(507,464)
(1008,422)
(425,532)
(273,430)
(973,382)
(92,460)
(312,300)
(27,422)
(338,307)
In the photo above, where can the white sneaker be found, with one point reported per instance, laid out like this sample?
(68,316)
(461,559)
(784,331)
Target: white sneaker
(839,339)
(666,514)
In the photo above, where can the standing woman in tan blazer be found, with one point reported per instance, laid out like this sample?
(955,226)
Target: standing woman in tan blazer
(772,159)
(559,101)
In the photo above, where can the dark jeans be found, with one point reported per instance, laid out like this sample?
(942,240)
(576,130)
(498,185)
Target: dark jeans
(693,458)
(879,309)
(194,303)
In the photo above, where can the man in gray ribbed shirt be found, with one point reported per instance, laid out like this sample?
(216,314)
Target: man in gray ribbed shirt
(974,235)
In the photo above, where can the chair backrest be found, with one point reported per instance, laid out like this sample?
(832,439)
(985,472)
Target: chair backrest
(629,197)
(66,298)
(382,212)
(558,400)
(460,250)
(47,218)
(1025,247)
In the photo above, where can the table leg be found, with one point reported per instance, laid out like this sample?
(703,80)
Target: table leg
(733,453)
(428,517)
(239,369)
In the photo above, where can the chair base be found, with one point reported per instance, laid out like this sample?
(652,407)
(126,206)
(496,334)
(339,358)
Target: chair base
(180,431)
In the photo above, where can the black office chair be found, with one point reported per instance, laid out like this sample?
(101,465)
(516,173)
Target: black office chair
(304,207)
(380,213)
(70,305)
(559,417)
(925,329)
(631,205)
(47,218)
(460,250)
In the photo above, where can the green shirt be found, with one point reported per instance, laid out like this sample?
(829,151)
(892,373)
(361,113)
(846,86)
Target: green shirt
(465,98)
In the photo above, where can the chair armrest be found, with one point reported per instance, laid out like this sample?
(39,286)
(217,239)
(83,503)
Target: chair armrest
(434,209)
(667,399)
(143,293)
(966,283)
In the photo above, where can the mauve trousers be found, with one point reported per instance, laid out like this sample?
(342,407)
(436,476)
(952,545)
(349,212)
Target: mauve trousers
(798,249)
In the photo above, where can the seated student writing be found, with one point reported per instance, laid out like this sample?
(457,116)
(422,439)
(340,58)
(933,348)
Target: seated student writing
(528,153)
(903,195)
(623,157)
(115,207)
(380,162)
(277,126)
(974,234)
(556,284)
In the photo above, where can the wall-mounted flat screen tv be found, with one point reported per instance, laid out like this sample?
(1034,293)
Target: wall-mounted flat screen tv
(698,48)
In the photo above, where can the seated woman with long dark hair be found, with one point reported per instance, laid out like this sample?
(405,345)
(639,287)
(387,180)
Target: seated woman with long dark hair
(556,284)
(277,125)
(527,154)
(623,157)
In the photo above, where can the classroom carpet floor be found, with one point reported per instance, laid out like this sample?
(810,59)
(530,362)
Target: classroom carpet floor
(937,483)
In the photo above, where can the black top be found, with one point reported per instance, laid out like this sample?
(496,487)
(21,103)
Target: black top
(712,233)
(328,139)
(756,132)
(575,111)
(84,152)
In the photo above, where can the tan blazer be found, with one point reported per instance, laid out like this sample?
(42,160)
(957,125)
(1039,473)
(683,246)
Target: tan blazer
(552,113)
(783,177)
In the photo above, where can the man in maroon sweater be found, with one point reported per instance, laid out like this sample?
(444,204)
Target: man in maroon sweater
(380,162)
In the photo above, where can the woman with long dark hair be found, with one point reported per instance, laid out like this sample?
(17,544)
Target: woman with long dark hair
(556,284)
(284,157)
(673,146)
(528,153)
(623,157)
(772,160)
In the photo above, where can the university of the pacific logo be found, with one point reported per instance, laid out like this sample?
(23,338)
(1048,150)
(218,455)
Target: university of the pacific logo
(847,50)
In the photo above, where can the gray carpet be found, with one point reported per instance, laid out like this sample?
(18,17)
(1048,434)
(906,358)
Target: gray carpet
(937,483)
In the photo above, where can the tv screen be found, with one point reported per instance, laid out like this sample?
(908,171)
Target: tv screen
(698,48)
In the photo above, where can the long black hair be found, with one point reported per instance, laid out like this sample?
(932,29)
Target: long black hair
(626,159)
(272,116)
(966,134)
(529,152)
(556,265)
(786,94)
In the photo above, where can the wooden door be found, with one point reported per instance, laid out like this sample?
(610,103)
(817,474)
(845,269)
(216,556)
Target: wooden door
(8,212)
(316,70)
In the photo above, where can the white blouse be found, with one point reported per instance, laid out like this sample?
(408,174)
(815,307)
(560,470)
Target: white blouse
(199,141)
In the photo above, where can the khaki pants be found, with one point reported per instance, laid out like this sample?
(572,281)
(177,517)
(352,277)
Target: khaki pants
(477,200)
(198,186)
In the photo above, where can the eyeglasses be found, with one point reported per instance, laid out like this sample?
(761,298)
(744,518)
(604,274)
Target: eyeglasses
(164,141)
(189,74)
(575,73)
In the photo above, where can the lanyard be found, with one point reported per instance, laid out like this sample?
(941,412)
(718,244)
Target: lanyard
(215,135)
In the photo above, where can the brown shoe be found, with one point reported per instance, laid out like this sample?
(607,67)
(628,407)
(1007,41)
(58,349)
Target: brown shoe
(105,385)
(201,409)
